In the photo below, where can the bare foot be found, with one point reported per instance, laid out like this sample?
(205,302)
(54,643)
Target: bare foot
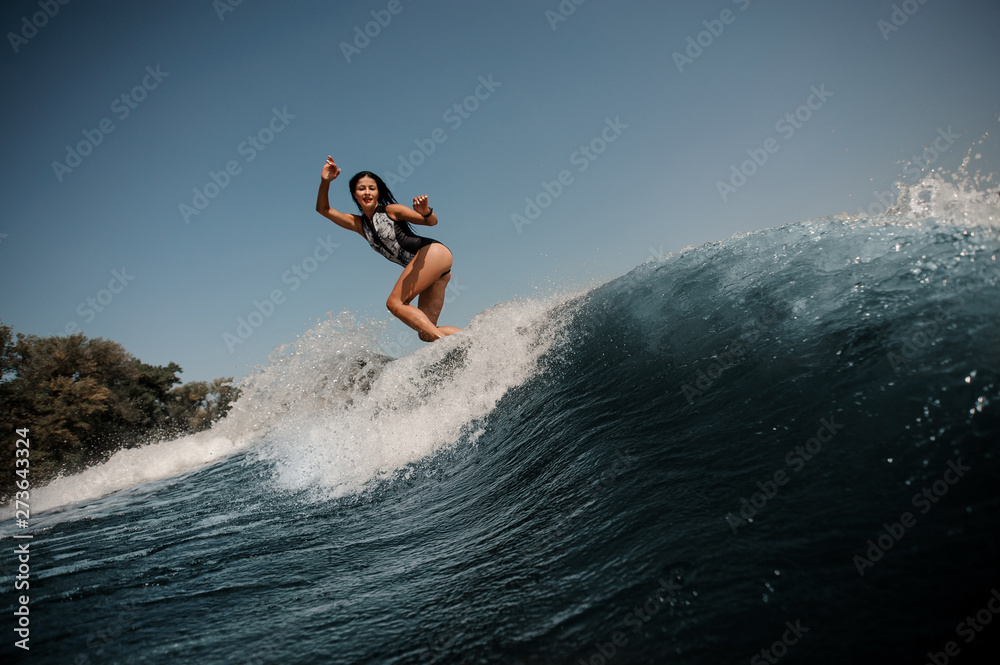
(443,331)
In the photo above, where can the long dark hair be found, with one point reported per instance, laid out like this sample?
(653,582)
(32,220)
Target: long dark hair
(385,196)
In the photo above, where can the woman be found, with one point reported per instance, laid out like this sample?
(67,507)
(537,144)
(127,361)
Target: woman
(385,224)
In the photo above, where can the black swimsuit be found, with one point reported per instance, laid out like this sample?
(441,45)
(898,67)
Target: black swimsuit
(394,240)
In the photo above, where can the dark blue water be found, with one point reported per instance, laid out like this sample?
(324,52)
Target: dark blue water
(781,447)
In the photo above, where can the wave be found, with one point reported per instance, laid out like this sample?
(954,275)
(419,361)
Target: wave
(331,412)
(888,295)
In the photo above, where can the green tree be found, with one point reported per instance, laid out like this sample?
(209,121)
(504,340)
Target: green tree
(83,399)
(80,397)
(195,406)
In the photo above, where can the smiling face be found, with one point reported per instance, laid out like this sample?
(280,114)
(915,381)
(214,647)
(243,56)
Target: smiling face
(366,194)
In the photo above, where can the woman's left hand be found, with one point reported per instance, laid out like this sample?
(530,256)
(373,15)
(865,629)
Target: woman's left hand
(421,205)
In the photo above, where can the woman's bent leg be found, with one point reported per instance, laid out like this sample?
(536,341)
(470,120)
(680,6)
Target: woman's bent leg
(426,276)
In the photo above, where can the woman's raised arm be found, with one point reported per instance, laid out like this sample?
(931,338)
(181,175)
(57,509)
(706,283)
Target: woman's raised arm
(342,219)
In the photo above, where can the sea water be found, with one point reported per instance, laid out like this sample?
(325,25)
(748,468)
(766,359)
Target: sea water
(777,447)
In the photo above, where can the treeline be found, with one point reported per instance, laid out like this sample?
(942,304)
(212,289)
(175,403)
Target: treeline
(84,399)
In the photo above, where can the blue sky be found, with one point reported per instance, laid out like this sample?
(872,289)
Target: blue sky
(618,120)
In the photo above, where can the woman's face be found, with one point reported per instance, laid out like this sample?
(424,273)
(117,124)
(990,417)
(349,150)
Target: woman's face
(366,192)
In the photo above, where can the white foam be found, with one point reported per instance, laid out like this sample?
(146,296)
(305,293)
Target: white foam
(954,200)
(416,405)
(329,414)
(966,196)
(132,466)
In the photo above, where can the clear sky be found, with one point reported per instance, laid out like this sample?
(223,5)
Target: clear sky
(618,120)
